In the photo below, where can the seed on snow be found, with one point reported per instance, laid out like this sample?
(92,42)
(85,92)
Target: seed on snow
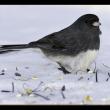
(28,91)
(17,74)
(88,98)
(34,77)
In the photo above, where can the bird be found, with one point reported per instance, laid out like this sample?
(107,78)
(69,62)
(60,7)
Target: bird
(73,48)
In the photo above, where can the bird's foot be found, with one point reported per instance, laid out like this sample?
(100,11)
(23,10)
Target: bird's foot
(63,69)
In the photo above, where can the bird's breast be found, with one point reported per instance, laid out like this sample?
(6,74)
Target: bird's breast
(79,62)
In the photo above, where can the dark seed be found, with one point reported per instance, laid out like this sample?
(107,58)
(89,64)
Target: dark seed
(2,74)
(3,70)
(26,67)
(88,70)
(107,79)
(17,74)
(63,88)
(109,74)
(12,87)
(16,69)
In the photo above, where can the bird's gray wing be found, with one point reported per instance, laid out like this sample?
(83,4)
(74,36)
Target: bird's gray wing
(62,43)
(49,42)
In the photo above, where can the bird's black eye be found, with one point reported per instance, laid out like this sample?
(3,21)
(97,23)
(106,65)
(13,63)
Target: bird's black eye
(92,22)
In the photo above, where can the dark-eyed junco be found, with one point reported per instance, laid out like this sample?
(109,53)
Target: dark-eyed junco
(73,48)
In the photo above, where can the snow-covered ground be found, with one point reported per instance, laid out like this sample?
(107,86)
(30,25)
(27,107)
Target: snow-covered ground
(28,77)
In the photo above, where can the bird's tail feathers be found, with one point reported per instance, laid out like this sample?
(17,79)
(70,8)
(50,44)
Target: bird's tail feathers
(11,48)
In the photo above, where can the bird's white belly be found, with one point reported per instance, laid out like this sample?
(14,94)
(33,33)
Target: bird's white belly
(80,62)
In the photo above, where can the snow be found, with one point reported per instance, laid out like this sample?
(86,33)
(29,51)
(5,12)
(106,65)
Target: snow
(25,23)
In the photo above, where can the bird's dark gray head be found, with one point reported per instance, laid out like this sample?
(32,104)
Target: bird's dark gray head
(90,20)
(89,17)
(87,22)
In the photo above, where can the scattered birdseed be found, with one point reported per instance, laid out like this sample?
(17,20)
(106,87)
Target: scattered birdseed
(34,77)
(28,91)
(87,99)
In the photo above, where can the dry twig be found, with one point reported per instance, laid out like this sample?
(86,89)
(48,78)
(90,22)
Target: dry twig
(63,89)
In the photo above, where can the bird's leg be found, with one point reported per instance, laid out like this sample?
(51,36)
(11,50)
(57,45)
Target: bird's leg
(63,69)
